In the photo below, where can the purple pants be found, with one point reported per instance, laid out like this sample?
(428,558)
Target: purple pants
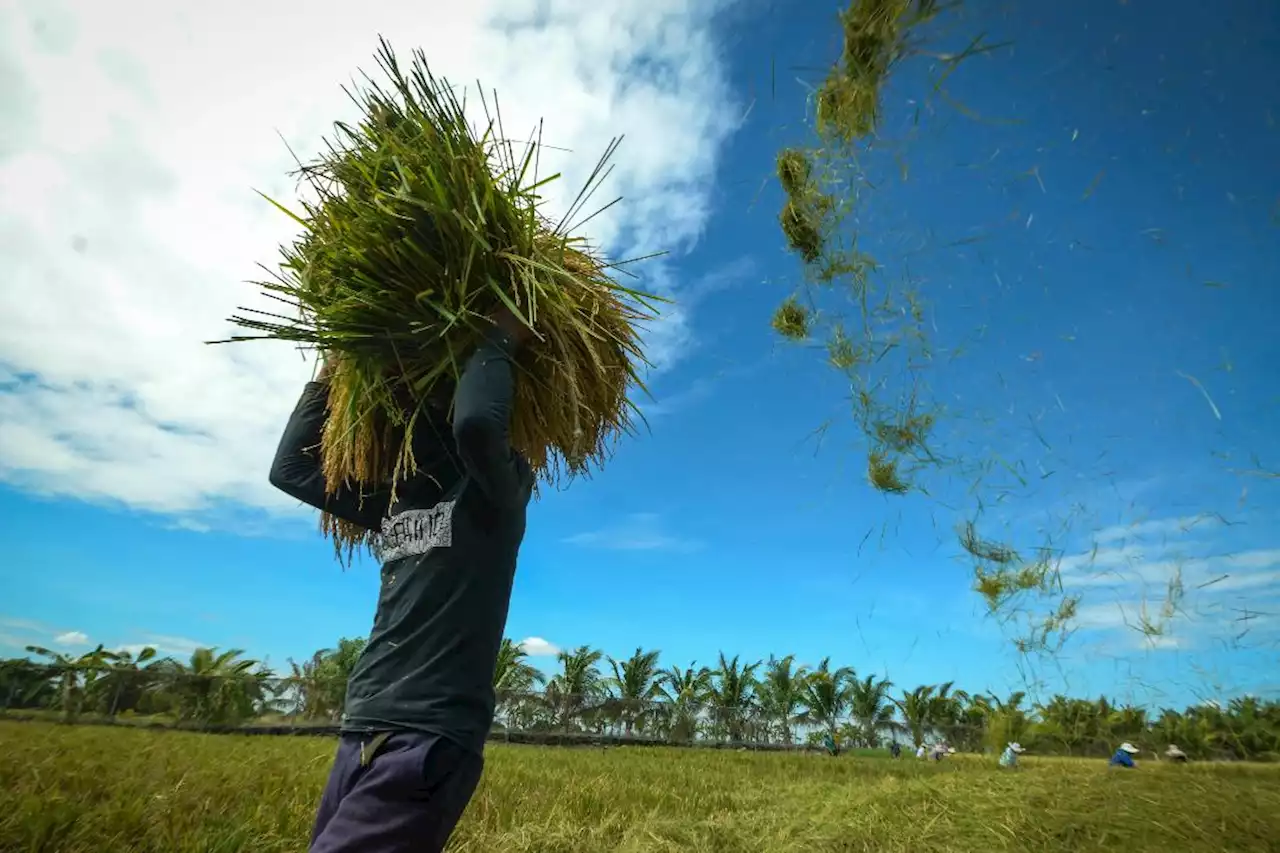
(394,793)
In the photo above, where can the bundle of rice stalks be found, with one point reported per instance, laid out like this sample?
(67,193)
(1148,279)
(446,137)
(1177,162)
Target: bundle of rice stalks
(823,185)
(421,228)
(875,37)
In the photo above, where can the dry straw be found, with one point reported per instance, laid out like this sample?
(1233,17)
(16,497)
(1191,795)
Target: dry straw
(421,228)
(820,193)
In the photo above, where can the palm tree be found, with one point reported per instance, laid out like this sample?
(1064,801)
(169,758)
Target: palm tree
(1251,727)
(871,708)
(686,690)
(307,689)
(574,690)
(514,678)
(217,688)
(782,694)
(1076,725)
(995,722)
(733,696)
(635,682)
(25,684)
(513,674)
(946,712)
(915,707)
(827,694)
(1127,723)
(337,669)
(123,681)
(69,672)
(317,688)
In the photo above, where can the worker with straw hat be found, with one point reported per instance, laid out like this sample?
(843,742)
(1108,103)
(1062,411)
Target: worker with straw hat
(1124,756)
(1009,758)
(420,700)
(1175,755)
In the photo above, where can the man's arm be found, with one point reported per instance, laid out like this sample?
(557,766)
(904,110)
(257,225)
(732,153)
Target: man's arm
(482,416)
(296,468)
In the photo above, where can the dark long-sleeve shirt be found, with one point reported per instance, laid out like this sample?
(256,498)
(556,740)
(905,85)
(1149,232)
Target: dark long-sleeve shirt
(448,549)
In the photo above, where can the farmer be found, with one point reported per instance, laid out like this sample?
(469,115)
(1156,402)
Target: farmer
(1124,756)
(1009,758)
(920,751)
(420,700)
(1176,755)
(895,749)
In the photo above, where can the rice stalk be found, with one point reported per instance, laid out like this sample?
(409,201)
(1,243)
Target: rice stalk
(792,320)
(882,472)
(422,227)
(822,185)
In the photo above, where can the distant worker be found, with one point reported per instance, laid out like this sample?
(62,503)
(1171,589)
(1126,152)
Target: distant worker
(1009,758)
(920,751)
(1124,755)
(895,750)
(1176,755)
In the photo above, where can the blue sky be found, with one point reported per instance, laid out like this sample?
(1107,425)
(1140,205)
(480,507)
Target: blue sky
(1119,199)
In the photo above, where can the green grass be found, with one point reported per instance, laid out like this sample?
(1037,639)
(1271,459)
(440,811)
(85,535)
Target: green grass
(72,789)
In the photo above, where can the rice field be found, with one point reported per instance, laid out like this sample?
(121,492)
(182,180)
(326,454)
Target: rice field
(75,789)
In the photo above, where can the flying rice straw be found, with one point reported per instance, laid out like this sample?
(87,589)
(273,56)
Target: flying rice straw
(422,229)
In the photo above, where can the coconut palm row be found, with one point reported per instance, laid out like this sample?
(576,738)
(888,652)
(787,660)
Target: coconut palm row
(769,703)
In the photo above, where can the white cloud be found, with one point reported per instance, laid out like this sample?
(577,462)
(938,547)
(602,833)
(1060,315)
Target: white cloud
(1113,614)
(666,404)
(1155,529)
(640,531)
(24,625)
(1127,585)
(18,633)
(538,647)
(179,647)
(1138,625)
(1137,567)
(128,222)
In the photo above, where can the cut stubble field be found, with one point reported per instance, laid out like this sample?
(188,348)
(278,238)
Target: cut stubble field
(75,789)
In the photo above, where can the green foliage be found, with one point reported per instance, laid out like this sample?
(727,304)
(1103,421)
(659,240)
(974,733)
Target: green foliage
(95,790)
(421,229)
(774,703)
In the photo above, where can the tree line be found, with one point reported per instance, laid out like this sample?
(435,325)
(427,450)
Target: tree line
(775,702)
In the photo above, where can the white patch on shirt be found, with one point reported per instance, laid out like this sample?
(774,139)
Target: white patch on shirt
(415,532)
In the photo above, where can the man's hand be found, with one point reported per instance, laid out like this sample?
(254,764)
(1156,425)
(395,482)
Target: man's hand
(505,320)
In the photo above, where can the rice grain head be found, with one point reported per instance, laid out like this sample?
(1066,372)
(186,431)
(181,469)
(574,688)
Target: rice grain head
(422,227)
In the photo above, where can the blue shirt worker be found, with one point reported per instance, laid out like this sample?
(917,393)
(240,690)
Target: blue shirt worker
(1124,755)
